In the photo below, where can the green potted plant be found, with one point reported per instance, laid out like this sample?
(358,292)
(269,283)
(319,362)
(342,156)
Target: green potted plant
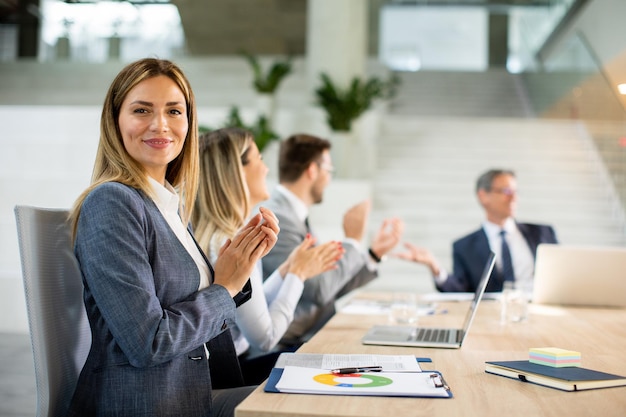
(344,106)
(266,83)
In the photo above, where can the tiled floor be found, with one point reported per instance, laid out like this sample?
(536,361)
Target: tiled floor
(18,395)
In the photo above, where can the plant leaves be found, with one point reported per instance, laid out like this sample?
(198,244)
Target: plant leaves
(342,107)
(268,83)
(261,129)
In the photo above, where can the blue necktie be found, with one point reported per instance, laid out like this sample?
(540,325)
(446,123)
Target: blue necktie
(507,263)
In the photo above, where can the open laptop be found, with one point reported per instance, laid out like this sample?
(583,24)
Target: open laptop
(580,275)
(431,336)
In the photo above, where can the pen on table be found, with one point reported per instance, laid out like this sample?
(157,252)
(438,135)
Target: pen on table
(354,370)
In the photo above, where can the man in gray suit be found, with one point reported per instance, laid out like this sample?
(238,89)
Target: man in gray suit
(305,169)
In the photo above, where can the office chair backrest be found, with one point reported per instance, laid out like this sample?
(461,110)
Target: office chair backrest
(53,287)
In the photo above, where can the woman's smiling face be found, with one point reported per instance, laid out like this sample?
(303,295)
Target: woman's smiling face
(153,122)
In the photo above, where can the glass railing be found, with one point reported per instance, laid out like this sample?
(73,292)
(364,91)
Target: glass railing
(531,28)
(572,84)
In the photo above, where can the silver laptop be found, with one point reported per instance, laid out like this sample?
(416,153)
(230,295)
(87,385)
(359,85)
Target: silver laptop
(431,336)
(580,275)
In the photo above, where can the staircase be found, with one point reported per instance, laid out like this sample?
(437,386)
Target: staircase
(428,164)
(495,93)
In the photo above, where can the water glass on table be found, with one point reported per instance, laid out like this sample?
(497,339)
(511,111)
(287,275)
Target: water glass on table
(403,309)
(515,299)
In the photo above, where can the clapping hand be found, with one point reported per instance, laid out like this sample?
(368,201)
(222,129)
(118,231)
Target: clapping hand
(388,236)
(355,220)
(307,260)
(238,256)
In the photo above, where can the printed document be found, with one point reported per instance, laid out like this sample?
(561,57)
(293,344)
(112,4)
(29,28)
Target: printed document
(328,361)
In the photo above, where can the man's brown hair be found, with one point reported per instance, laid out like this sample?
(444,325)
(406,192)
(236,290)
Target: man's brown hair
(296,154)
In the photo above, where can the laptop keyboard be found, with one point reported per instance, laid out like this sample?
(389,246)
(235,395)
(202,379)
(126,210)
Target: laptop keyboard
(433,335)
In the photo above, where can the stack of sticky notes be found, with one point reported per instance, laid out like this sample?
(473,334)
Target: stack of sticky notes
(555,357)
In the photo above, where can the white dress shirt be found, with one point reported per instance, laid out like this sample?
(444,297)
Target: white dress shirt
(521,256)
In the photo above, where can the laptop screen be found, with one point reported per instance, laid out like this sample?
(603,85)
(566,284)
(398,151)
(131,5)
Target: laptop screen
(480,290)
(580,275)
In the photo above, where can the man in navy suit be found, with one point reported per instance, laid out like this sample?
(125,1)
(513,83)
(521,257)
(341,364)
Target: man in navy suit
(510,240)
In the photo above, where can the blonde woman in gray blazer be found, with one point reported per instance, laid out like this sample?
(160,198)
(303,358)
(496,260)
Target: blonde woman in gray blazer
(153,301)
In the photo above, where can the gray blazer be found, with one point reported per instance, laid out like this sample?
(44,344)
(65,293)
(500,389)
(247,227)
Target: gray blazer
(148,320)
(316,305)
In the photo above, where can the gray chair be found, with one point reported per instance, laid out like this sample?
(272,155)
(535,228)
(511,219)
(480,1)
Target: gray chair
(59,330)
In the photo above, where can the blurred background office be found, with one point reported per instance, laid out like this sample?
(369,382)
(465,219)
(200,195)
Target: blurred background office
(529,85)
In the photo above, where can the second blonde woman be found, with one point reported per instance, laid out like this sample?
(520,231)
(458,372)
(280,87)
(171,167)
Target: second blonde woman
(232,183)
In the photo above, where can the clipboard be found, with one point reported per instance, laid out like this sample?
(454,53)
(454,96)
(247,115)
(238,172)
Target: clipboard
(439,388)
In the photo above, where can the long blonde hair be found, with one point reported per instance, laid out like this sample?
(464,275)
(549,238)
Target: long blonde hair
(113,162)
(223,200)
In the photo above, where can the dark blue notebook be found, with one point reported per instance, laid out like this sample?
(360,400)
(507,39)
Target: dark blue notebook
(568,378)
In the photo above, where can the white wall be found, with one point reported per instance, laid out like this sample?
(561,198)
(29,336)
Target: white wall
(46,161)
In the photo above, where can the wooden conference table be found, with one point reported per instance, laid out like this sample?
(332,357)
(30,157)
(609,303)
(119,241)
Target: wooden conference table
(598,334)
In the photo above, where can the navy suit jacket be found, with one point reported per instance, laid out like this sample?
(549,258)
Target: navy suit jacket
(470,254)
(149,322)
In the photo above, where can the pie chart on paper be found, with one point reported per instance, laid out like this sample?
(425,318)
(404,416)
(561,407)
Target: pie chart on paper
(353,380)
